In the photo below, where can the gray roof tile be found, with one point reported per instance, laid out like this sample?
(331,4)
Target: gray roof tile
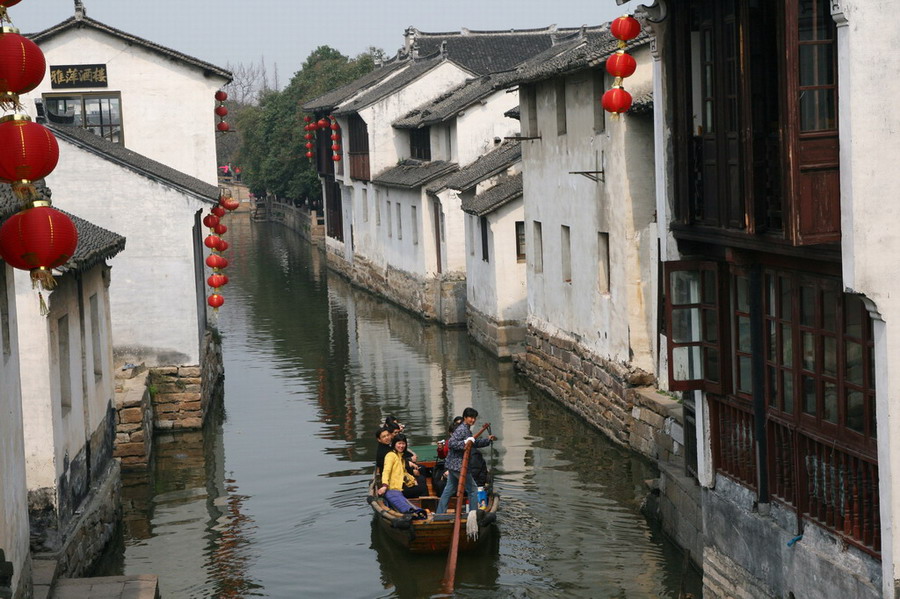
(486,202)
(412,173)
(450,104)
(328,101)
(138,163)
(495,161)
(86,22)
(384,88)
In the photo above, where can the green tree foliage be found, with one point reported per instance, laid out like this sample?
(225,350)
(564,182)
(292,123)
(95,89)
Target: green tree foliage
(272,153)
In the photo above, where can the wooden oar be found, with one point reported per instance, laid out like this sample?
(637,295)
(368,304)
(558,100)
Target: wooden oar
(450,570)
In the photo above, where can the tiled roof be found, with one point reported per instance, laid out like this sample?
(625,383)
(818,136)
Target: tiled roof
(411,173)
(386,87)
(498,195)
(451,103)
(95,244)
(499,159)
(326,102)
(513,113)
(138,163)
(642,104)
(484,52)
(86,22)
(589,52)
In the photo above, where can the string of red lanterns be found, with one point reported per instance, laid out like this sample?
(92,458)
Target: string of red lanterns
(216,244)
(620,65)
(39,237)
(309,127)
(335,139)
(221,111)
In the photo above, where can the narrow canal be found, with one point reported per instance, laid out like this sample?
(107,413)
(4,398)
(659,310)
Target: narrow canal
(269,499)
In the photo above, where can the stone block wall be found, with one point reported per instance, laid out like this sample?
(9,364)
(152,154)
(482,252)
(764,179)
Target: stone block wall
(504,339)
(442,300)
(134,428)
(305,222)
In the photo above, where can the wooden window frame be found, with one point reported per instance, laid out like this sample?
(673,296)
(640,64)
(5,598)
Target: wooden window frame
(520,241)
(483,224)
(420,143)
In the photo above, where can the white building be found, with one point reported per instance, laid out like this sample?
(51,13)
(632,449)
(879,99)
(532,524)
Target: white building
(15,559)
(131,91)
(68,404)
(590,232)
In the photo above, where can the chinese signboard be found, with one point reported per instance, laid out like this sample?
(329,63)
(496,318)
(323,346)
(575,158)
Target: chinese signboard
(68,76)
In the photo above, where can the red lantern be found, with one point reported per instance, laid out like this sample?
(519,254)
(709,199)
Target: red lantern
(616,100)
(625,28)
(223,245)
(218,211)
(216,261)
(30,152)
(225,281)
(309,155)
(336,157)
(215,281)
(22,66)
(216,301)
(335,147)
(210,220)
(309,145)
(308,136)
(220,229)
(211,241)
(222,126)
(335,126)
(38,239)
(335,137)
(323,124)
(221,95)
(231,204)
(621,65)
(221,111)
(307,118)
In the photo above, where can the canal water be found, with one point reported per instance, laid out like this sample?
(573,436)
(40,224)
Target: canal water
(269,499)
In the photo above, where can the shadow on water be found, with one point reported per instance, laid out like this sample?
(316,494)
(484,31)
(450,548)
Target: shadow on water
(270,500)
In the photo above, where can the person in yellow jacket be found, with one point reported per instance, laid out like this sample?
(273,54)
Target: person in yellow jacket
(394,478)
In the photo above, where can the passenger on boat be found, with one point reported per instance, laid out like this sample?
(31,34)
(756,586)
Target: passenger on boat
(457,443)
(396,427)
(394,478)
(384,437)
(477,465)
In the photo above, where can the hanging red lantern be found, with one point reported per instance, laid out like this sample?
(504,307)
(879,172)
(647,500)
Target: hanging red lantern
(225,280)
(621,65)
(223,126)
(616,100)
(211,241)
(218,211)
(223,245)
(309,145)
(335,137)
(307,118)
(231,204)
(216,261)
(216,301)
(308,136)
(215,280)
(335,126)
(336,157)
(30,152)
(625,28)
(309,155)
(323,123)
(221,111)
(335,147)
(220,229)
(221,95)
(210,220)
(38,239)
(22,67)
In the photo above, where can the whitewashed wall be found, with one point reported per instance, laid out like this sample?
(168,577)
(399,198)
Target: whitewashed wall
(497,287)
(154,294)
(619,324)
(159,96)
(14,539)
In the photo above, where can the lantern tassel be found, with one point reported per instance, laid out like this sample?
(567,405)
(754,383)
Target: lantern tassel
(45,311)
(10,102)
(44,277)
(25,191)
(4,16)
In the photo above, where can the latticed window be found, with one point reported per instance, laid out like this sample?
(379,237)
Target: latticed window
(99,113)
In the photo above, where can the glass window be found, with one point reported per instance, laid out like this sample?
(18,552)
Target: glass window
(100,114)
(520,241)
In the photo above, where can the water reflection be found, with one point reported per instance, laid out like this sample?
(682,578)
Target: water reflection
(270,500)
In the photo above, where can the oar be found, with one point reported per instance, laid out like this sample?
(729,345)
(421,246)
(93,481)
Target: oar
(450,570)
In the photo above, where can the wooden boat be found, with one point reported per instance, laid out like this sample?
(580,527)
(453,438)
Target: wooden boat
(434,534)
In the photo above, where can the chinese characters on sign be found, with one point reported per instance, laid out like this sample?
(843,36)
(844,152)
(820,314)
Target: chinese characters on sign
(78,75)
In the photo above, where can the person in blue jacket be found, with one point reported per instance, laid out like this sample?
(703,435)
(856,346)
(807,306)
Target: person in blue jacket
(457,445)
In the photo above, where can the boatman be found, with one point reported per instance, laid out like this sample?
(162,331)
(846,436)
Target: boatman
(457,445)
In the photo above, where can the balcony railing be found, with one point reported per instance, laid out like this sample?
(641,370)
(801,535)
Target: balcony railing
(733,441)
(359,165)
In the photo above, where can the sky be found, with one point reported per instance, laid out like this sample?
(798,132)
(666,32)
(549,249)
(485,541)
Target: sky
(284,32)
